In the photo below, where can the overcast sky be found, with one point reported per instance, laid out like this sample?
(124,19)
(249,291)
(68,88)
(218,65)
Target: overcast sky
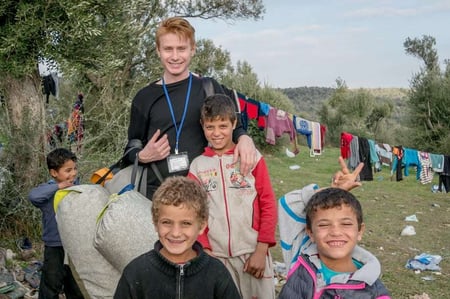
(313,42)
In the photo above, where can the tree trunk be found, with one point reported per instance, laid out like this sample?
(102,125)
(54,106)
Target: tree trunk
(25,152)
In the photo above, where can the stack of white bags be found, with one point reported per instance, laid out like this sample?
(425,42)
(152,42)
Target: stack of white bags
(101,233)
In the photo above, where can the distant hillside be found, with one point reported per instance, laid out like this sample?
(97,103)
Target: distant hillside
(308,100)
(398,96)
(388,92)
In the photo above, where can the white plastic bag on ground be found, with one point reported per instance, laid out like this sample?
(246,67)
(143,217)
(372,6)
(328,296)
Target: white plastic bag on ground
(408,231)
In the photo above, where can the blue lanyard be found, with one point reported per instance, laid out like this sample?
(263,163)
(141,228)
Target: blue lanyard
(186,103)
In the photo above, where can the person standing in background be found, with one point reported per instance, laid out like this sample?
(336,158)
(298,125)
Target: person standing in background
(75,124)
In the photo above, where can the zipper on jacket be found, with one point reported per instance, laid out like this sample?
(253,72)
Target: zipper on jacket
(224,191)
(180,281)
(334,286)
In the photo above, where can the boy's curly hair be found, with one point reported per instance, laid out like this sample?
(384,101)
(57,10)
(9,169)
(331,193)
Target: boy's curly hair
(181,191)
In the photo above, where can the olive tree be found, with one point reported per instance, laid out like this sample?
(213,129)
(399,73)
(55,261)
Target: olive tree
(105,46)
(354,111)
(429,98)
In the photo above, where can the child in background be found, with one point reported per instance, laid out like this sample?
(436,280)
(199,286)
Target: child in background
(243,215)
(75,124)
(177,267)
(56,276)
(333,266)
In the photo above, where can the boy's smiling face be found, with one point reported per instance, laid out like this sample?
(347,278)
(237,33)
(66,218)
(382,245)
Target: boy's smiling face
(335,232)
(66,173)
(219,133)
(178,228)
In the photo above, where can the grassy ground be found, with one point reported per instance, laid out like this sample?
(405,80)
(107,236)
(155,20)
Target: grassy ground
(386,203)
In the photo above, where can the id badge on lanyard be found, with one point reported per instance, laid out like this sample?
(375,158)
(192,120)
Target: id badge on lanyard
(178,161)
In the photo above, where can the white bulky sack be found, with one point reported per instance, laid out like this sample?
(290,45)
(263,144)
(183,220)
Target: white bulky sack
(125,229)
(77,209)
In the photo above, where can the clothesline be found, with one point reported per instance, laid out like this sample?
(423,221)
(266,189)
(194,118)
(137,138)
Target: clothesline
(359,149)
(277,122)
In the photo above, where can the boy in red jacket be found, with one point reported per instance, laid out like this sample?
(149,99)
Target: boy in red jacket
(243,213)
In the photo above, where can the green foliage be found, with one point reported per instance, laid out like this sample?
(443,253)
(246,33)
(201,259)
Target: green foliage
(275,98)
(243,79)
(334,106)
(335,124)
(424,49)
(355,111)
(378,113)
(222,9)
(20,153)
(17,216)
(104,49)
(259,137)
(114,65)
(429,99)
(307,100)
(20,37)
(210,60)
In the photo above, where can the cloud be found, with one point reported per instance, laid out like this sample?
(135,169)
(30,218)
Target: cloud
(357,40)
(392,9)
(382,12)
(440,6)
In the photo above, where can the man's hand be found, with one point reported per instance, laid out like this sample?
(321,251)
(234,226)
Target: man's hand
(344,179)
(245,151)
(155,149)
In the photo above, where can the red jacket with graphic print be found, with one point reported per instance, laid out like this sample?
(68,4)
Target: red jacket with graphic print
(242,210)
